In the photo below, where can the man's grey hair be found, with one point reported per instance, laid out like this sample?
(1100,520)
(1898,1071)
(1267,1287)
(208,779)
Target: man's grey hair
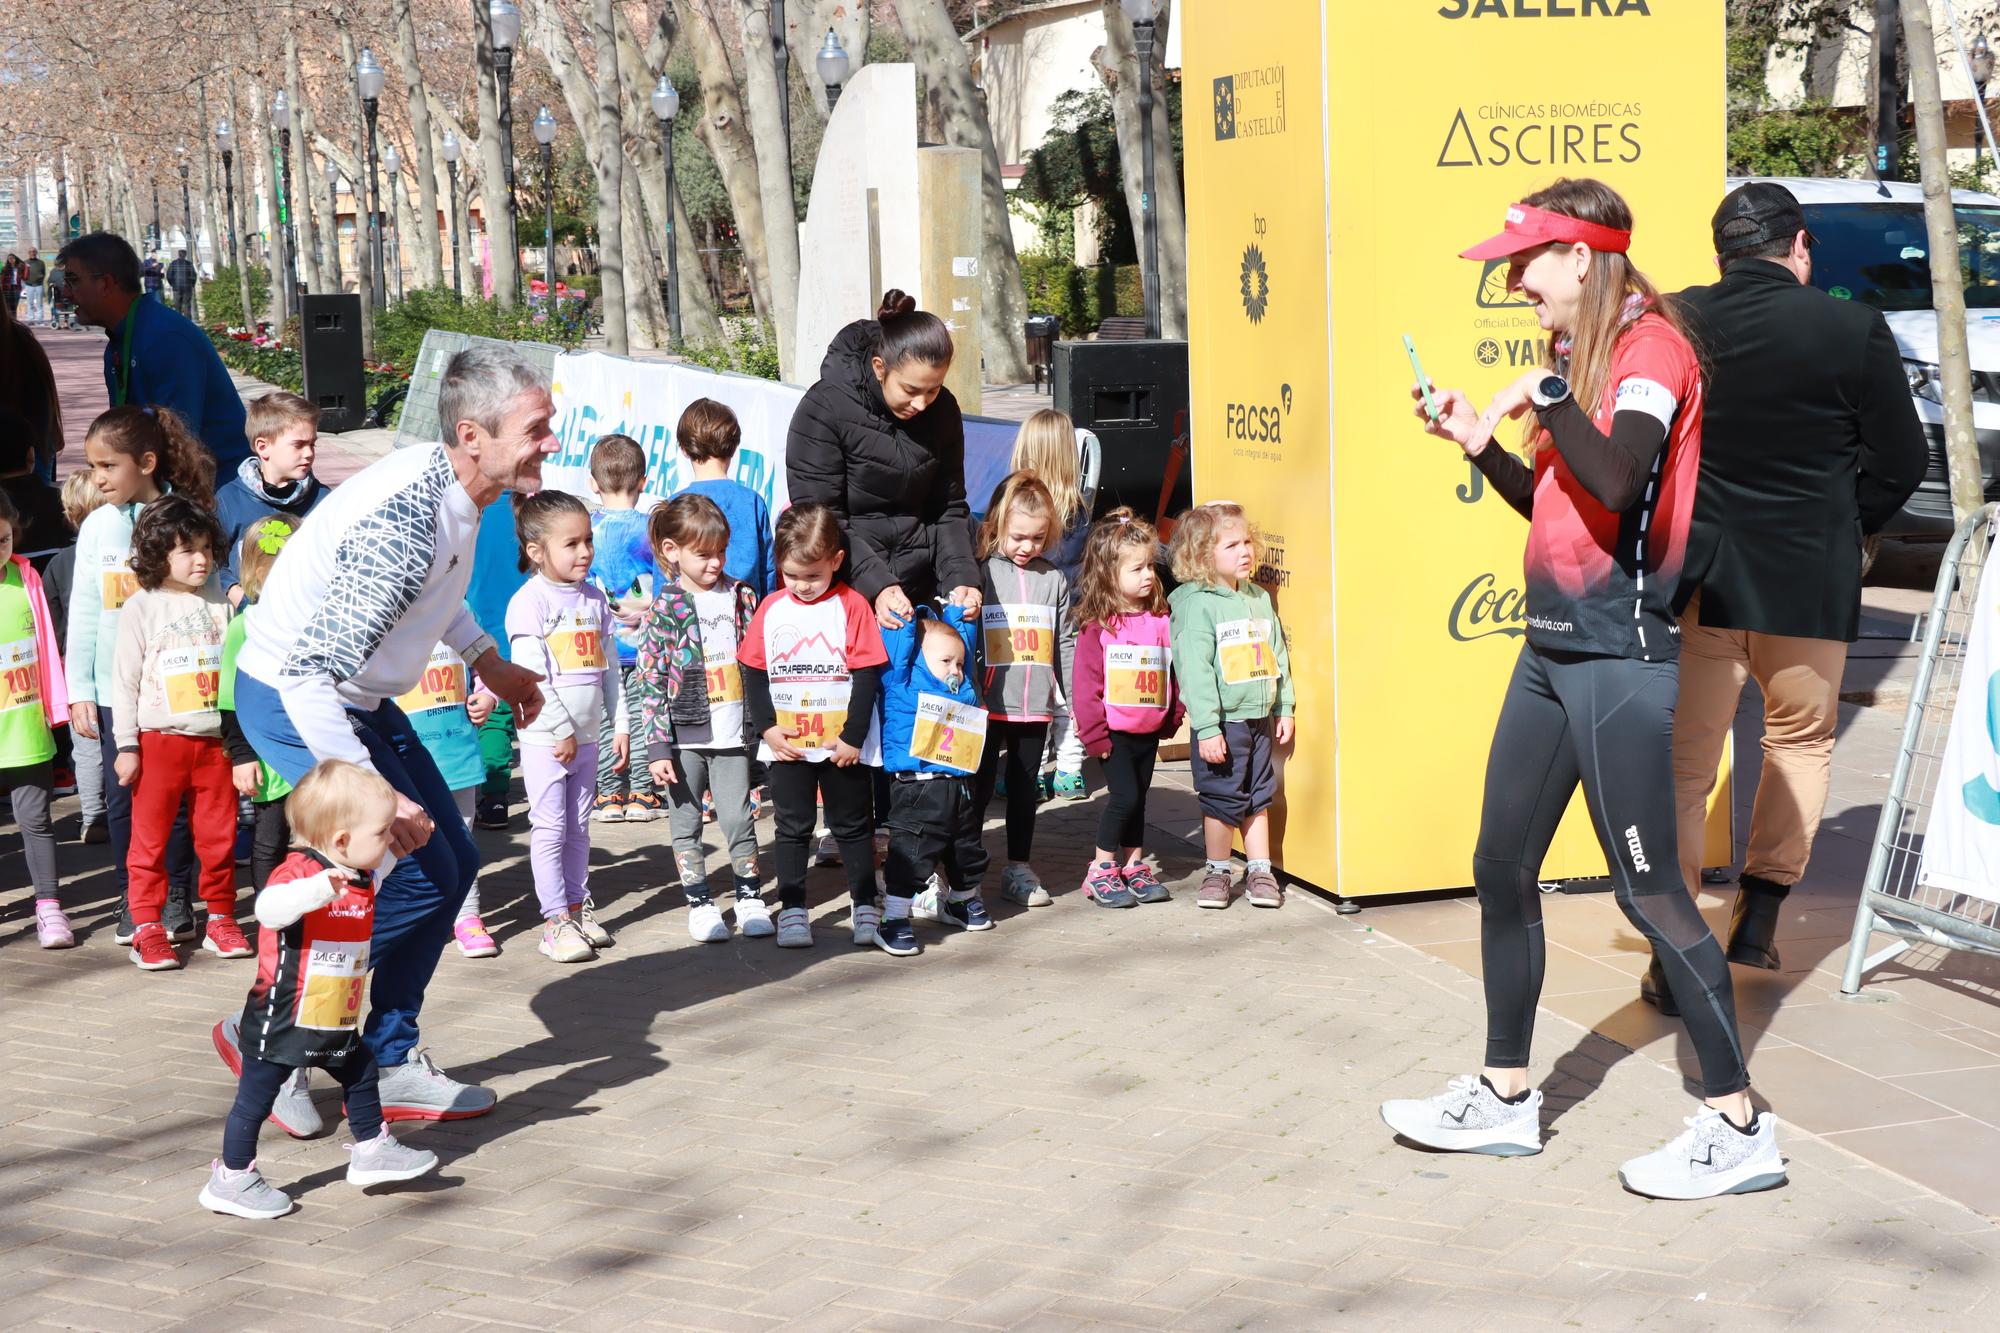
(480,384)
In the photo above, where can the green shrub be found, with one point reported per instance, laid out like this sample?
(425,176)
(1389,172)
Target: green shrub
(748,349)
(1081,297)
(400,329)
(222,298)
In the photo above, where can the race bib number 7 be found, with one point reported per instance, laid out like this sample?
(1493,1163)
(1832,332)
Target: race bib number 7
(330,990)
(1019,635)
(1135,675)
(948,732)
(1243,648)
(192,678)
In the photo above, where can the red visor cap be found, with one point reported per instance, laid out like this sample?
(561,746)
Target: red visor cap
(1529,227)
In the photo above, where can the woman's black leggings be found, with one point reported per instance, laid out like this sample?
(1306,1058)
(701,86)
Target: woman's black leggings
(1608,723)
(1128,772)
(1024,743)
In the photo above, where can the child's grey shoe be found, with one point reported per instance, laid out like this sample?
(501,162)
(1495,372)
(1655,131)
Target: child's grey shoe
(243,1193)
(1020,884)
(383,1159)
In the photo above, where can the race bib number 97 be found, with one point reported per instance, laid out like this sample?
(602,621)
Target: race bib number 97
(576,643)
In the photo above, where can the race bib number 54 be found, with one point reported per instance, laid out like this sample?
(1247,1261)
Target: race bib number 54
(948,732)
(812,715)
(1244,650)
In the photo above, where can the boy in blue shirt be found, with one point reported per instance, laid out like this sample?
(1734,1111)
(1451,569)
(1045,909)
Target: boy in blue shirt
(276,482)
(708,435)
(624,570)
(933,731)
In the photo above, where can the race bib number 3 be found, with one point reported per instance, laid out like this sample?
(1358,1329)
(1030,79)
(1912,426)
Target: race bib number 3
(330,990)
(192,677)
(20,681)
(948,732)
(1135,675)
(1244,649)
(1019,635)
(577,643)
(813,715)
(441,686)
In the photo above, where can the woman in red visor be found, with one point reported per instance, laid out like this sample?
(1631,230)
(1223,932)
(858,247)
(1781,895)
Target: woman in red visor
(1612,450)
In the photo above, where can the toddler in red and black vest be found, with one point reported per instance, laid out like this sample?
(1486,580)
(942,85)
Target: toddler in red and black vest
(317,911)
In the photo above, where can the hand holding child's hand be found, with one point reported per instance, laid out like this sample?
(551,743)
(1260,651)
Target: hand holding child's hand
(845,755)
(244,777)
(127,768)
(1215,750)
(1283,732)
(780,742)
(663,772)
(565,749)
(480,707)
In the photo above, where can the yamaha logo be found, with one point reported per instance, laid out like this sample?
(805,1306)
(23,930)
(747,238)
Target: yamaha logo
(1256,284)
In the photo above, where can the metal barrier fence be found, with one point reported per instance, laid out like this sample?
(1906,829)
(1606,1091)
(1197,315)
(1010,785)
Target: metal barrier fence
(419,423)
(1892,897)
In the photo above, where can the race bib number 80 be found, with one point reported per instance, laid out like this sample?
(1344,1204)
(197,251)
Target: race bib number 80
(1019,635)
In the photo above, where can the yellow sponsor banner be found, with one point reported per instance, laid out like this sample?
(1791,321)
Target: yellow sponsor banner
(1350,152)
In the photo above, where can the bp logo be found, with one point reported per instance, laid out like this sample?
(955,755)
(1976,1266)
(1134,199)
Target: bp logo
(1225,107)
(1487,353)
(1256,284)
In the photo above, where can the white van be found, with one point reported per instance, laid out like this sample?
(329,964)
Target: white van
(1873,247)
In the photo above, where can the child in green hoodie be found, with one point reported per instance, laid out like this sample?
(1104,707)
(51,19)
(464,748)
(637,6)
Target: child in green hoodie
(1236,679)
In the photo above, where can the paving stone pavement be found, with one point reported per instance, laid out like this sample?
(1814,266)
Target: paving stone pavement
(1159,1118)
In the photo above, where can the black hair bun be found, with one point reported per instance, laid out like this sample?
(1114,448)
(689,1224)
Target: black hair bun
(895,304)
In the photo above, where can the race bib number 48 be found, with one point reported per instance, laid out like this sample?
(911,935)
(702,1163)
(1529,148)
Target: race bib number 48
(1135,675)
(20,681)
(192,677)
(948,732)
(1019,635)
(330,990)
(813,715)
(1244,649)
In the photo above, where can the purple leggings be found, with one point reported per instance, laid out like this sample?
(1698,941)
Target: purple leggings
(559,801)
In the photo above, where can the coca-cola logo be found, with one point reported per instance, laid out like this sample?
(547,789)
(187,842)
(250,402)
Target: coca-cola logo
(1484,609)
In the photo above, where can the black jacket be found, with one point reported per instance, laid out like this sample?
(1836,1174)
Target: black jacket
(1808,442)
(898,486)
(181,275)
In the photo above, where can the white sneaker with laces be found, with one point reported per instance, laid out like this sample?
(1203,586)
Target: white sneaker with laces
(1468,1116)
(867,920)
(753,918)
(587,922)
(705,924)
(1020,884)
(794,928)
(1708,1158)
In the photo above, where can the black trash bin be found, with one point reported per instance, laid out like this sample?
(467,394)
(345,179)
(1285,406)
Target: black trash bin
(1042,331)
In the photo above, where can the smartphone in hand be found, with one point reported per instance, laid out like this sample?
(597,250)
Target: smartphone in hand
(1423,380)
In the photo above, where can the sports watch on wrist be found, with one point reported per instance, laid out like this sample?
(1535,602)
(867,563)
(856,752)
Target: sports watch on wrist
(1550,390)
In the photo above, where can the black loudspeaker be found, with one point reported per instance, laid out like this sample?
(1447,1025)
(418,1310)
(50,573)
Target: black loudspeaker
(1134,396)
(330,346)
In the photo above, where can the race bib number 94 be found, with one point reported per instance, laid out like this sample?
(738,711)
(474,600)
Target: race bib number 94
(1243,648)
(192,677)
(1135,675)
(1019,635)
(948,732)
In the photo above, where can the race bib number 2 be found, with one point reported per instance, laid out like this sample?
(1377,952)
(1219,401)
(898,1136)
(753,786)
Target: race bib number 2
(948,732)
(1243,648)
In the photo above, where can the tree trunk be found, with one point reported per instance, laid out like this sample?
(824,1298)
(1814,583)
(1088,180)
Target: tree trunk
(947,72)
(1961,448)
(849,21)
(610,170)
(504,248)
(774,175)
(646,166)
(358,182)
(1169,211)
(727,136)
(245,162)
(429,267)
(211,213)
(314,220)
(261,197)
(468,162)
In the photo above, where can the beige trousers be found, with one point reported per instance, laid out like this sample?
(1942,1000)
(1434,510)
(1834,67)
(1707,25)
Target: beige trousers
(1800,681)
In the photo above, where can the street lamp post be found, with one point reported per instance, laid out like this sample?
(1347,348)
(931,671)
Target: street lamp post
(159,237)
(392,162)
(781,52)
(331,169)
(667,105)
(545,135)
(451,151)
(288,241)
(368,73)
(832,63)
(1143,13)
(225,141)
(187,209)
(506,19)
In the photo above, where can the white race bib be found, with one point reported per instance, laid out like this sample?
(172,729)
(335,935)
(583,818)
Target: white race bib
(813,713)
(1019,634)
(948,732)
(1135,675)
(20,681)
(443,684)
(117,580)
(330,986)
(1243,649)
(192,678)
(576,642)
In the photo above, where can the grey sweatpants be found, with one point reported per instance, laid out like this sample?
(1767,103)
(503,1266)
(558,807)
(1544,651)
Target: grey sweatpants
(30,790)
(725,774)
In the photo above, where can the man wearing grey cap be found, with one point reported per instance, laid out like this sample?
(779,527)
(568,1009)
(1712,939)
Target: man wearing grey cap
(1809,442)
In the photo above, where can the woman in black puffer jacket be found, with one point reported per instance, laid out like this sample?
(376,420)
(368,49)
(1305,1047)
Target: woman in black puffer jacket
(879,441)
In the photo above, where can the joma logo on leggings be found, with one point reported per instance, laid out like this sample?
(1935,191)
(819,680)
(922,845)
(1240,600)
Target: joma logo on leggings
(1638,852)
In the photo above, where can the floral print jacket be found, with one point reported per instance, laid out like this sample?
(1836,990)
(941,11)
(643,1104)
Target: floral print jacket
(673,688)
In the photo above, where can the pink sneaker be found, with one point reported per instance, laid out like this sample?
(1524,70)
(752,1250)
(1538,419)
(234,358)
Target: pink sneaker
(473,941)
(51,926)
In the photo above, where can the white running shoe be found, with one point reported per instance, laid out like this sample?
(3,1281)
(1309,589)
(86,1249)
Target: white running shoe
(1708,1158)
(867,919)
(1020,884)
(753,918)
(826,852)
(1469,1117)
(794,928)
(705,924)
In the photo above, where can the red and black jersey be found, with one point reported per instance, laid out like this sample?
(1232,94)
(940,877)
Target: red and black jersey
(1604,582)
(305,1006)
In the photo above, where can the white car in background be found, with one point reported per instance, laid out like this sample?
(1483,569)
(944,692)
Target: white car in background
(1873,247)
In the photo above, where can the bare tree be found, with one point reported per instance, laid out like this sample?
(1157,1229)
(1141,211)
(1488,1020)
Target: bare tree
(430,253)
(848,20)
(727,137)
(610,167)
(308,180)
(763,98)
(953,102)
(493,167)
(1120,70)
(646,165)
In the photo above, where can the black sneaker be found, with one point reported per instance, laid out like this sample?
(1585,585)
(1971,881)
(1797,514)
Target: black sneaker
(490,813)
(965,913)
(897,936)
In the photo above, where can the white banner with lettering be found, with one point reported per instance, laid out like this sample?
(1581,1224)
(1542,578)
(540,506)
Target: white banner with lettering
(1962,844)
(597,394)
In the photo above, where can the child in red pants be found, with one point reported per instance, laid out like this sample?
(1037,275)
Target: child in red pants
(165,681)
